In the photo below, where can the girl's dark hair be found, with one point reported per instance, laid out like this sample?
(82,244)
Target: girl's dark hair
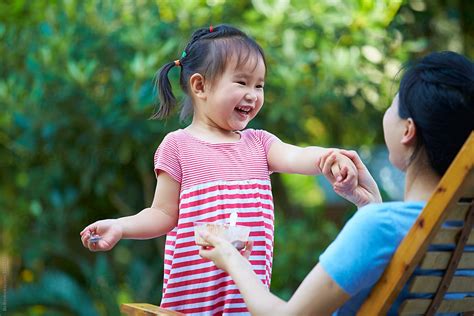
(438,94)
(207,53)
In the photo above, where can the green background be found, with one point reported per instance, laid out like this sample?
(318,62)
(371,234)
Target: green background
(76,144)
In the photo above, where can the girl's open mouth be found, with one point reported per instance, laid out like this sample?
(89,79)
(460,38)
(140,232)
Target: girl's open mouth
(243,109)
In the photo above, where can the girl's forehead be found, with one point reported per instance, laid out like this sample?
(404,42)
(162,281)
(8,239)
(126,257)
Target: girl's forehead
(248,63)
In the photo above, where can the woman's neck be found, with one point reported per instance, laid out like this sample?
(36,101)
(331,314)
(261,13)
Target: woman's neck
(420,181)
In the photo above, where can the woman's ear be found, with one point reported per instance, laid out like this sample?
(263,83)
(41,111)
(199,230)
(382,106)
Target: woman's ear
(197,86)
(409,135)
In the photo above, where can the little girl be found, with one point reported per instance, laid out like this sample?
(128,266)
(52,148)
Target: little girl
(212,168)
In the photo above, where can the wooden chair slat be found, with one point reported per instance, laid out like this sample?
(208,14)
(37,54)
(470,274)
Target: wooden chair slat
(429,284)
(448,236)
(459,211)
(438,260)
(419,306)
(144,309)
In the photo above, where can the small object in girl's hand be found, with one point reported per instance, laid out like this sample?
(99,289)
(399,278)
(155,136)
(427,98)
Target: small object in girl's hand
(95,238)
(238,244)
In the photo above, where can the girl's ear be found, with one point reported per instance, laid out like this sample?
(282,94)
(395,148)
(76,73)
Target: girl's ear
(409,135)
(197,86)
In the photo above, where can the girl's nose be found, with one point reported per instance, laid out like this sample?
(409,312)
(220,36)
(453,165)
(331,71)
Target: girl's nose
(251,96)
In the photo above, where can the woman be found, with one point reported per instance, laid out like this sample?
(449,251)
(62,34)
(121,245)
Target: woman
(429,120)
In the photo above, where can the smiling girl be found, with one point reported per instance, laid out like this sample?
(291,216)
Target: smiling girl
(212,168)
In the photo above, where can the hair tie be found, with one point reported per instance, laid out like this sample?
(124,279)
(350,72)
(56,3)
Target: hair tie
(211,29)
(177,63)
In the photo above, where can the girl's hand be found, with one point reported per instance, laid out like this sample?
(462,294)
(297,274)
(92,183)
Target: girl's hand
(108,231)
(365,191)
(343,171)
(222,252)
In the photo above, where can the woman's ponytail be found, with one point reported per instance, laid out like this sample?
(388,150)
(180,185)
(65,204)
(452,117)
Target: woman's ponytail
(165,92)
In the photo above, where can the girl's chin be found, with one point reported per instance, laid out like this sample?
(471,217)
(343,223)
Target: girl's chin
(239,125)
(237,128)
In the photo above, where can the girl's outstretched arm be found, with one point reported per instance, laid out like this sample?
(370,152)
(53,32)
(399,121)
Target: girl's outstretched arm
(317,295)
(286,158)
(151,222)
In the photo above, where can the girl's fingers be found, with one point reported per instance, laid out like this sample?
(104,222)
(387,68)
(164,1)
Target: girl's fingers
(327,168)
(344,173)
(324,157)
(337,172)
(91,246)
(89,229)
(84,239)
(85,230)
(348,175)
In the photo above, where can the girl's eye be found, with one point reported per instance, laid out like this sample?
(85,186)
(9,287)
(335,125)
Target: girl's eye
(260,86)
(241,83)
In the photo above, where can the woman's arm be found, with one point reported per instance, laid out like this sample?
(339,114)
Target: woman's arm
(317,295)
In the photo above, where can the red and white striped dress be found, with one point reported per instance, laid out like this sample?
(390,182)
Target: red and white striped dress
(216,180)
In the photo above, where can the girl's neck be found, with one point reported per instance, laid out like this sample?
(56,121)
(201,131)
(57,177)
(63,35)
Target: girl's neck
(421,180)
(212,134)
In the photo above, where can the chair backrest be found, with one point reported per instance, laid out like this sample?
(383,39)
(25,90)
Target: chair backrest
(451,201)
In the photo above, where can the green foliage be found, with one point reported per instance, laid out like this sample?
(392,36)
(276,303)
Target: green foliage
(76,145)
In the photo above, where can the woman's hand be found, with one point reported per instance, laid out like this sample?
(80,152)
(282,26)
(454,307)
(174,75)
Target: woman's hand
(222,252)
(366,190)
(108,232)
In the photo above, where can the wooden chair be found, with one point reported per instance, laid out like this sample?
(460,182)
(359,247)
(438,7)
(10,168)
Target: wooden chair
(143,309)
(452,200)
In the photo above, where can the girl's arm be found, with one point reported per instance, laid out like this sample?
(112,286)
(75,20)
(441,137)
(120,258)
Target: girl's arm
(288,158)
(158,219)
(151,222)
(317,295)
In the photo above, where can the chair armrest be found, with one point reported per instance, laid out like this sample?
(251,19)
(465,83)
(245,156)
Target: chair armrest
(144,309)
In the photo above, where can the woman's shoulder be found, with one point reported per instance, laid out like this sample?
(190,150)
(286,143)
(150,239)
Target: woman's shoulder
(400,215)
(390,207)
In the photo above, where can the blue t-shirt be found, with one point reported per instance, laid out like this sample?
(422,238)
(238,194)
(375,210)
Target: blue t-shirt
(358,256)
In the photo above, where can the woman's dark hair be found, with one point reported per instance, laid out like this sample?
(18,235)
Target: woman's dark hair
(207,53)
(437,92)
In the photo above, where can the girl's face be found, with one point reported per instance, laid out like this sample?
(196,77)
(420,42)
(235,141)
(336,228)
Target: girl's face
(393,129)
(236,97)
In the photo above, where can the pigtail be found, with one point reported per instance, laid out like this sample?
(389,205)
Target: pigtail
(165,92)
(202,55)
